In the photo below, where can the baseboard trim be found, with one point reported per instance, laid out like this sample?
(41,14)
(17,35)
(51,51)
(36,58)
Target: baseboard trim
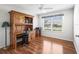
(56,38)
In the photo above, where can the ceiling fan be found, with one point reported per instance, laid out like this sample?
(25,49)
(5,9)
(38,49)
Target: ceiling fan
(44,7)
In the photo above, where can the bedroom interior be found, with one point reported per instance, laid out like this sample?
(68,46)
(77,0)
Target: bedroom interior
(39,29)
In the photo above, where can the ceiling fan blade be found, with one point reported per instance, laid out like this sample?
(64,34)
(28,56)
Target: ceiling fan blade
(47,8)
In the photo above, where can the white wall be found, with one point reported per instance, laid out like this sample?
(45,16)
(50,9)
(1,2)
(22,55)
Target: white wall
(76,27)
(4,16)
(67,32)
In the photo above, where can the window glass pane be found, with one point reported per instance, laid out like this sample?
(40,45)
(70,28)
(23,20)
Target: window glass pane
(53,22)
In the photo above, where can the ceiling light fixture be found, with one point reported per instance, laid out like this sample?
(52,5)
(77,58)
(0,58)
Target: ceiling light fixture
(42,6)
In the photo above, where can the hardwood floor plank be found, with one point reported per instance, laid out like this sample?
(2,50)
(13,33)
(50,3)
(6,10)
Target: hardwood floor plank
(43,45)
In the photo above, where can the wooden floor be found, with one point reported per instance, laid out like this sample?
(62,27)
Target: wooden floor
(43,45)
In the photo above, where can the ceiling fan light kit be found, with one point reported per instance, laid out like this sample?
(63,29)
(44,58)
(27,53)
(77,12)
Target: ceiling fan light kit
(42,6)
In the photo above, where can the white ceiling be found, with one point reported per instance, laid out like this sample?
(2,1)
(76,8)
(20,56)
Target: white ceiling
(34,8)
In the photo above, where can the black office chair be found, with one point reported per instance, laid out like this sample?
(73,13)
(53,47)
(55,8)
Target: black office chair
(25,37)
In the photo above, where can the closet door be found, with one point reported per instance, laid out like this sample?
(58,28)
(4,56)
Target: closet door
(76,27)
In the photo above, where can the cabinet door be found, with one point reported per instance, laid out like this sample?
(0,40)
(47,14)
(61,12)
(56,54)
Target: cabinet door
(19,19)
(18,29)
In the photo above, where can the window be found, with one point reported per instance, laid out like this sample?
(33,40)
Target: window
(47,24)
(53,23)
